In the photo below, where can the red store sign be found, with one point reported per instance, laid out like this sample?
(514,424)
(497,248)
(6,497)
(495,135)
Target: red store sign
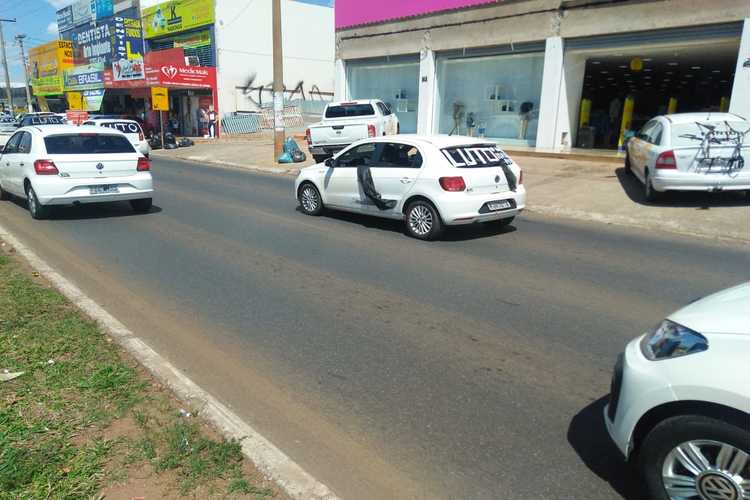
(173,75)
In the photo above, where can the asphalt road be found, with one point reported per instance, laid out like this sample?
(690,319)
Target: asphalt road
(473,367)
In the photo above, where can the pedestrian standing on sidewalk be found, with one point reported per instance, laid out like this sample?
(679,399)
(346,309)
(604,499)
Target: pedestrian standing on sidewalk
(211,122)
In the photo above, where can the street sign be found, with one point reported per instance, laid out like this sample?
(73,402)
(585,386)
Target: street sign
(76,116)
(75,100)
(159,99)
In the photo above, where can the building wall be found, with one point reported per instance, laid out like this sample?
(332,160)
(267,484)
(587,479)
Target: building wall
(245,59)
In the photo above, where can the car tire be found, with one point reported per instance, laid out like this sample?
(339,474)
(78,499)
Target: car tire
(320,158)
(649,192)
(423,220)
(658,455)
(309,199)
(36,209)
(142,205)
(628,166)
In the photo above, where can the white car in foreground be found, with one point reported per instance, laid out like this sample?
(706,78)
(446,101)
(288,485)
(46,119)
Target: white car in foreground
(66,164)
(680,401)
(691,152)
(131,128)
(428,181)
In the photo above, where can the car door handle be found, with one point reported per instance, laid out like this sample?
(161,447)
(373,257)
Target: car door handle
(406,180)
(20,164)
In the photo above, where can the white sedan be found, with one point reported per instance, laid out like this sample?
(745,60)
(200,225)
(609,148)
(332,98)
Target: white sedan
(66,164)
(131,128)
(691,152)
(428,181)
(680,401)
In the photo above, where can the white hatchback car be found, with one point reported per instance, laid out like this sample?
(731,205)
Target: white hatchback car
(131,128)
(691,152)
(680,401)
(66,164)
(428,181)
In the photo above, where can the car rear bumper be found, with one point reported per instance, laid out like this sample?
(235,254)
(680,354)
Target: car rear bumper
(695,181)
(460,208)
(54,190)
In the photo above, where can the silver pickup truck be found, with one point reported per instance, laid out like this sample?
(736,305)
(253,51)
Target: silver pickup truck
(347,122)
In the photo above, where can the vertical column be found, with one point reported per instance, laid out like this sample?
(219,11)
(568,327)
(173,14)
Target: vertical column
(740,103)
(552,80)
(427,89)
(340,85)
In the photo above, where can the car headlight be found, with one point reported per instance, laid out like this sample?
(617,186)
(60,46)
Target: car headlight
(671,340)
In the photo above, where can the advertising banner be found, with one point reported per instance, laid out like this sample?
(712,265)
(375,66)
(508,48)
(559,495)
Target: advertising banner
(173,75)
(92,99)
(128,69)
(127,39)
(177,15)
(82,12)
(90,76)
(356,12)
(93,44)
(65,18)
(47,63)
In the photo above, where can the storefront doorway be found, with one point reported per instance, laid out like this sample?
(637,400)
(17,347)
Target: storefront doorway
(623,89)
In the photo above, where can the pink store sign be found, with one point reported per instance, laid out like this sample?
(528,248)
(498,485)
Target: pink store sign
(357,12)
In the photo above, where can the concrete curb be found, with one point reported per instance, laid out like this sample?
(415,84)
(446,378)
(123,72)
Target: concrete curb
(277,466)
(293,171)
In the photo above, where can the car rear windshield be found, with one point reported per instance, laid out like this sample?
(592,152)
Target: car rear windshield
(724,133)
(84,144)
(124,127)
(349,110)
(477,156)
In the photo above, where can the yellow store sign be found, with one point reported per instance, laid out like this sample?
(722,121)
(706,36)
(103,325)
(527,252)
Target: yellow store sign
(159,99)
(175,16)
(47,63)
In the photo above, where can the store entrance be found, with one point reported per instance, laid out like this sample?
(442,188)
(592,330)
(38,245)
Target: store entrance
(640,84)
(189,111)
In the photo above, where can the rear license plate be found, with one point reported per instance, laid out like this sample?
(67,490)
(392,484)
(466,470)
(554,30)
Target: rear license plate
(494,206)
(104,189)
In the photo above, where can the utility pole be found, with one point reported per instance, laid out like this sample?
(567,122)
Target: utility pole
(19,40)
(8,91)
(278,82)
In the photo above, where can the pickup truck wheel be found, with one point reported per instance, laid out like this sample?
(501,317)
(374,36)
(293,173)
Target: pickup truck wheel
(310,200)
(320,158)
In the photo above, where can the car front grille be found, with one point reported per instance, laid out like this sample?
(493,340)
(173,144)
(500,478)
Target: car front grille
(615,389)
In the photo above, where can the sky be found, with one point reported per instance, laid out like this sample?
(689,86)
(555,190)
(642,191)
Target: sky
(36,19)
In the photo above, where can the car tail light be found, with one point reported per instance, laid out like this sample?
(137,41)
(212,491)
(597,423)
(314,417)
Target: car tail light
(453,183)
(666,161)
(371,130)
(308,137)
(144,165)
(45,167)
(140,135)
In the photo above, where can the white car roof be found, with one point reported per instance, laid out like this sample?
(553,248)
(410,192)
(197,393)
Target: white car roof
(46,130)
(354,101)
(438,141)
(703,117)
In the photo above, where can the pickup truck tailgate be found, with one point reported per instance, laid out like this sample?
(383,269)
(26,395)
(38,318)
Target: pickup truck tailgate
(343,133)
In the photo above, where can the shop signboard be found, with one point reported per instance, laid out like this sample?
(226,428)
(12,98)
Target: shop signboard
(82,12)
(92,99)
(128,69)
(356,12)
(127,39)
(90,76)
(175,16)
(173,75)
(159,98)
(65,18)
(93,44)
(75,100)
(47,63)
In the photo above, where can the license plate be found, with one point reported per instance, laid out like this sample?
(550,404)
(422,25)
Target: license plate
(498,205)
(104,189)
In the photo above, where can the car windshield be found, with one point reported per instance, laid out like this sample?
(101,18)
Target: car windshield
(82,144)
(692,134)
(42,120)
(477,156)
(349,110)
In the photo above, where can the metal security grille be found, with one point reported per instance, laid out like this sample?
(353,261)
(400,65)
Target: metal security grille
(204,54)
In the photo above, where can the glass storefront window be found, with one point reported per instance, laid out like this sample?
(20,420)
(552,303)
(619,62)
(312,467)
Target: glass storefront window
(495,97)
(396,84)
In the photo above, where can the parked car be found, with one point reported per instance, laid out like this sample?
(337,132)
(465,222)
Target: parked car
(691,152)
(67,164)
(347,122)
(130,128)
(29,119)
(428,181)
(680,401)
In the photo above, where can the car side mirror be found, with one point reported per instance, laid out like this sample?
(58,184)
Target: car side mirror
(329,162)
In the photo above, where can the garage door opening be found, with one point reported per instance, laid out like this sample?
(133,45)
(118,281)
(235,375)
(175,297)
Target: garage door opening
(623,90)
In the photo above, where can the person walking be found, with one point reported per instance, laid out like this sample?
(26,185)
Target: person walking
(211,122)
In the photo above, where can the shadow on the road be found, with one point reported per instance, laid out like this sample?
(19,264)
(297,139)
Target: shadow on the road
(457,233)
(633,187)
(90,210)
(589,438)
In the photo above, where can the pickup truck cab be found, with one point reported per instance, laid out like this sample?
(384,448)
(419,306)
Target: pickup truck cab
(347,122)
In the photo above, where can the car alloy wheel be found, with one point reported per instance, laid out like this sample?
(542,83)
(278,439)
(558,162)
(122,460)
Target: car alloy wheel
(309,198)
(36,210)
(706,469)
(420,220)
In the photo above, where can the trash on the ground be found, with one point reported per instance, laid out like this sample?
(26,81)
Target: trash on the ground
(184,413)
(291,147)
(35,274)
(50,361)
(6,375)
(285,158)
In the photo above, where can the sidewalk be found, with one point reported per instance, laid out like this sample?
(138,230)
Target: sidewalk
(595,190)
